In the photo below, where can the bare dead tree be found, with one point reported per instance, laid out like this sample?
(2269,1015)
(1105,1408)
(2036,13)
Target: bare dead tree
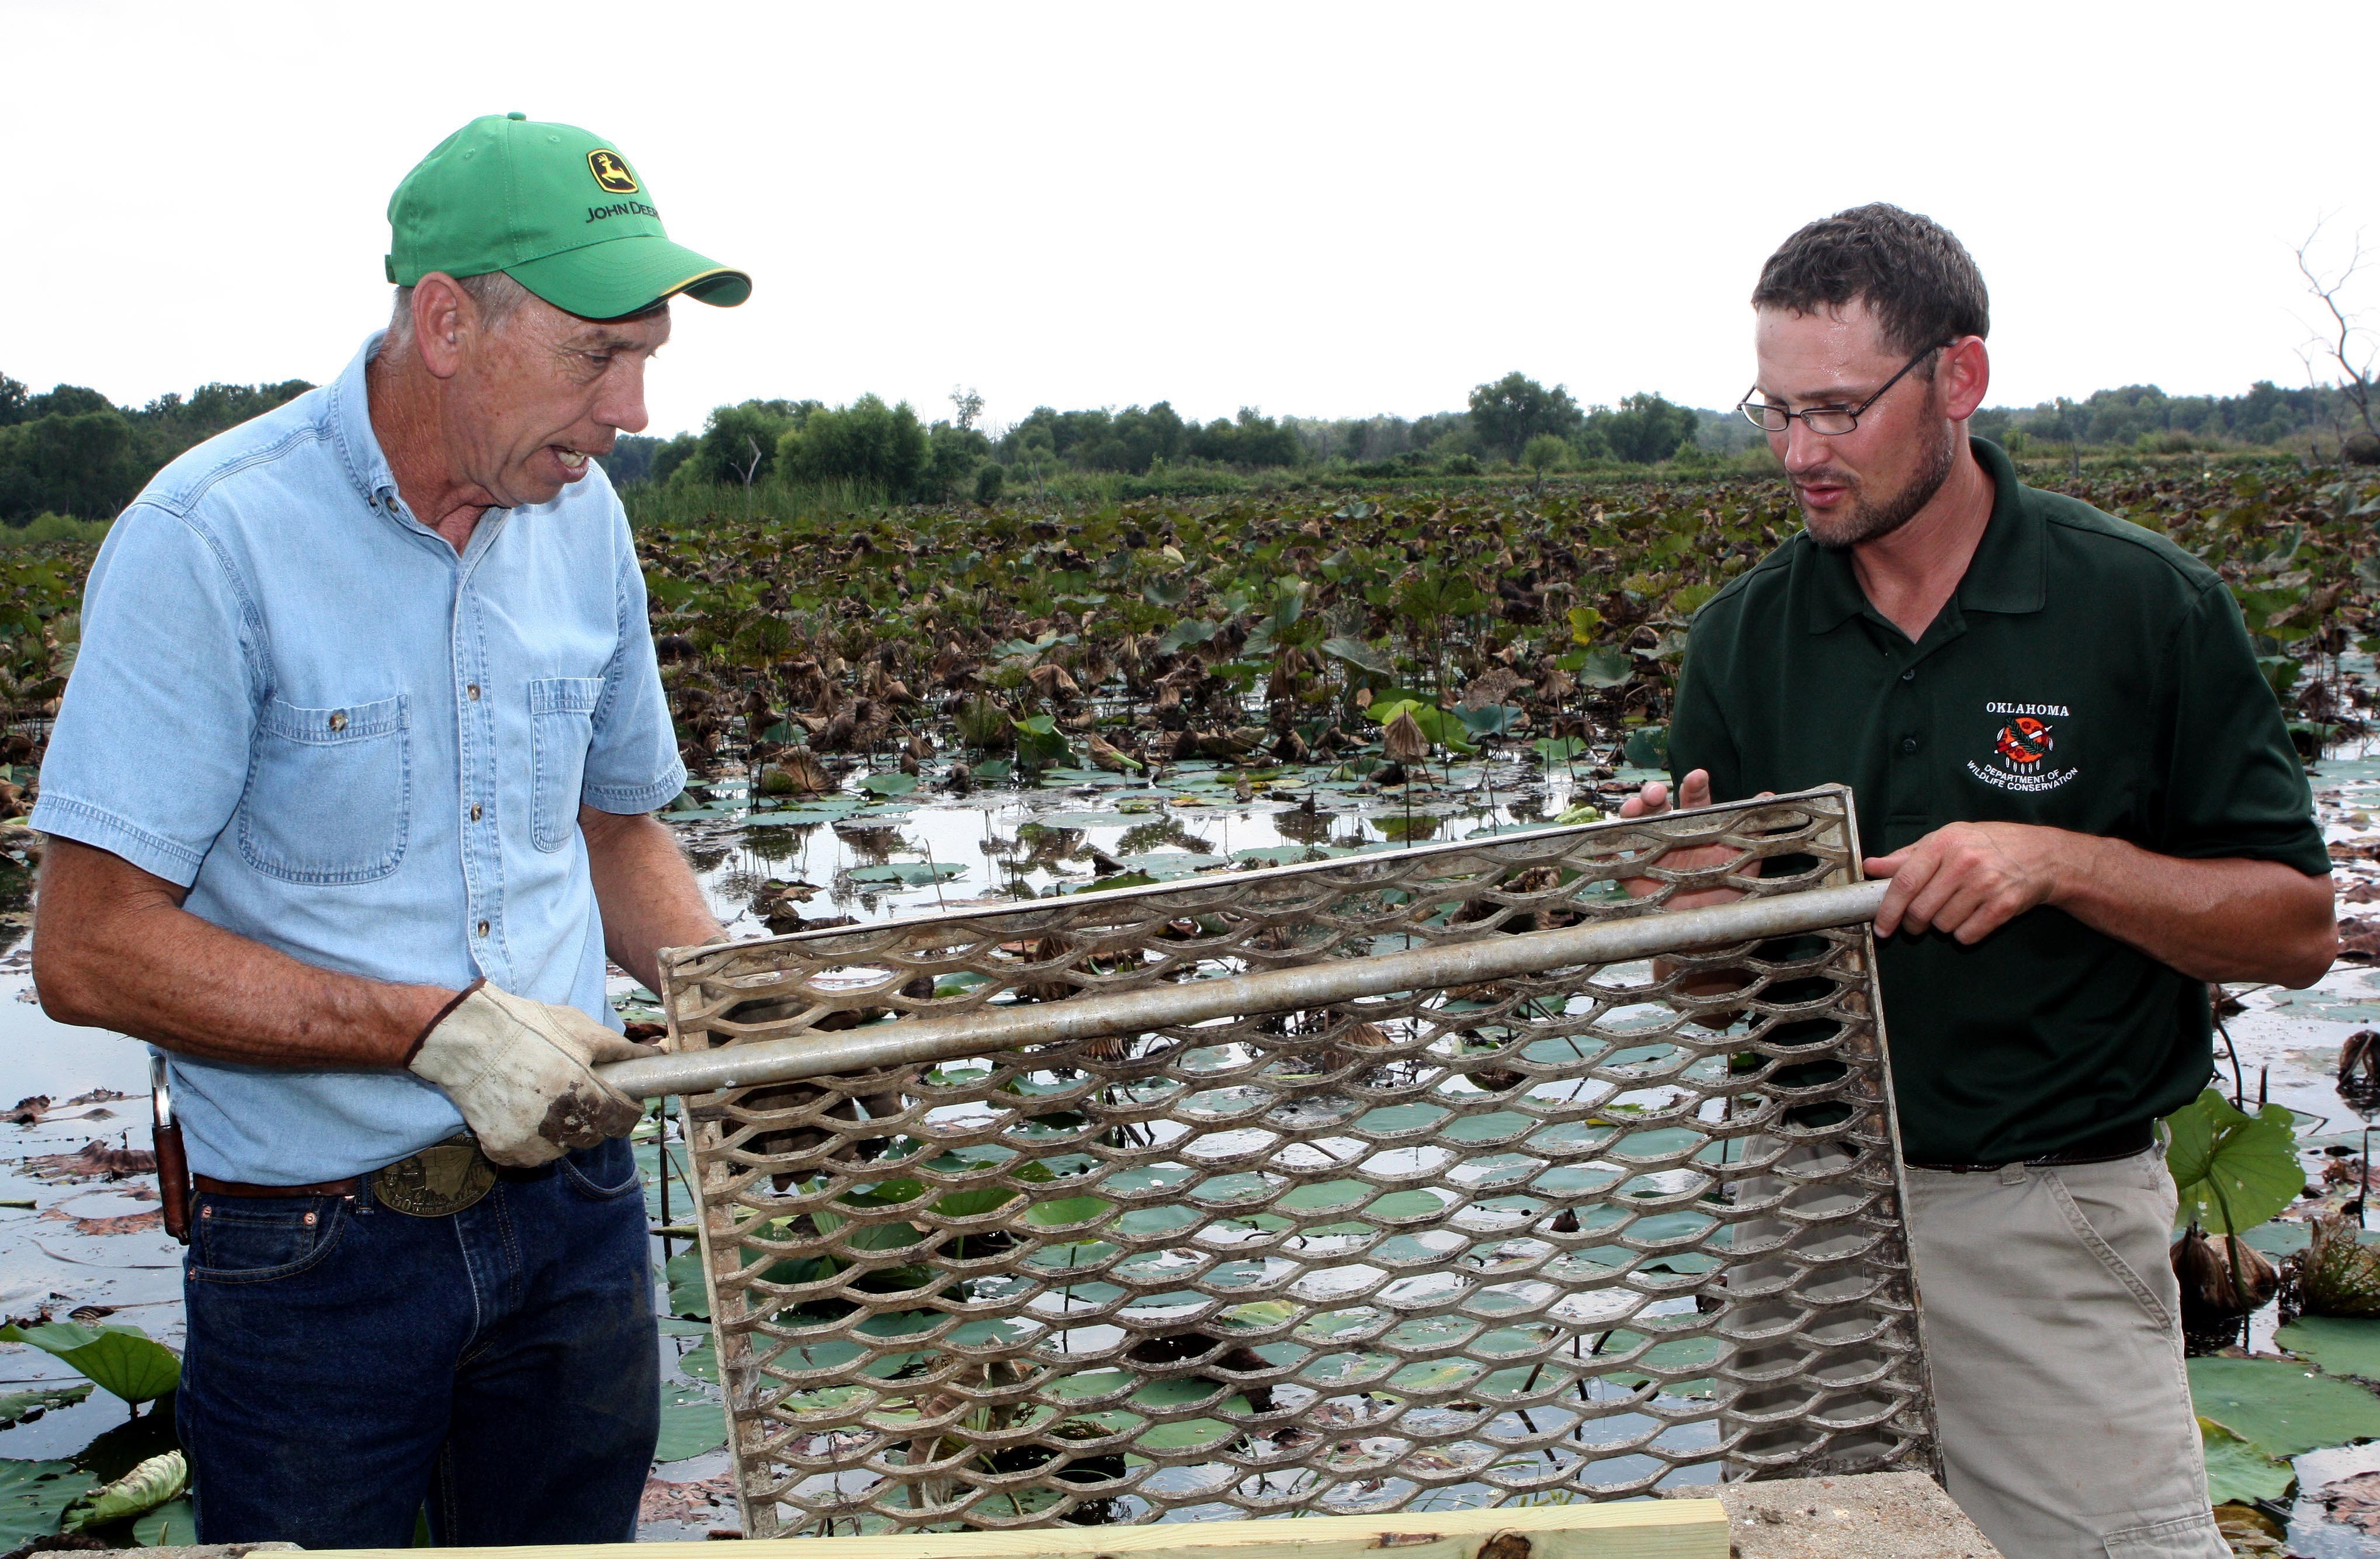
(969,405)
(2340,342)
(750,466)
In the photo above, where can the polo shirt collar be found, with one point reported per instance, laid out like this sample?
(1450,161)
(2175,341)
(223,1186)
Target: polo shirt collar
(2005,574)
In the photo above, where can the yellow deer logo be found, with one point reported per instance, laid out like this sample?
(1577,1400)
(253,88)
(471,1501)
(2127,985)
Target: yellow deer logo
(610,173)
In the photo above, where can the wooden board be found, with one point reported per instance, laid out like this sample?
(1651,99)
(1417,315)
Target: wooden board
(1620,1529)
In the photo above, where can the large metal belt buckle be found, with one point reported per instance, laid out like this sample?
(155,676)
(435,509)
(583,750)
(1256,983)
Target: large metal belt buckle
(440,1180)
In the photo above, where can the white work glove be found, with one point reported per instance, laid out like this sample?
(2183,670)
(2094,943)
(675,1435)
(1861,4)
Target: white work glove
(520,1072)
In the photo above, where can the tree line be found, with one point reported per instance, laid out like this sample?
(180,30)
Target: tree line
(71,452)
(1511,421)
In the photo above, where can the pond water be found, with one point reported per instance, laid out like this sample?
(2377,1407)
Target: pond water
(92,1245)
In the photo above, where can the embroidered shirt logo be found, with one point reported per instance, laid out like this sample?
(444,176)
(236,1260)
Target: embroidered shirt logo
(2024,741)
(610,173)
(2021,749)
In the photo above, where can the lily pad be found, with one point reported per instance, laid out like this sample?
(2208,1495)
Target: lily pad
(172,1525)
(689,1295)
(692,1421)
(829,811)
(2282,1409)
(913,873)
(2237,1471)
(1277,855)
(893,784)
(33,1494)
(24,1406)
(1165,863)
(2338,1345)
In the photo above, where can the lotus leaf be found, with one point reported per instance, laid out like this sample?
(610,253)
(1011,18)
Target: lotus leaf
(913,873)
(24,1406)
(2237,1471)
(34,1494)
(1493,720)
(2338,1345)
(2283,1409)
(1182,635)
(2232,1170)
(147,1486)
(118,1358)
(1647,747)
(172,1525)
(1606,667)
(692,1421)
(1356,653)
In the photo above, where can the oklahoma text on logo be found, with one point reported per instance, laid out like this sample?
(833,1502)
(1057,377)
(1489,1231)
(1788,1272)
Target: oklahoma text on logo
(2021,748)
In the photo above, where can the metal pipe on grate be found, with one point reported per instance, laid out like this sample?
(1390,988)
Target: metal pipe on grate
(925,1041)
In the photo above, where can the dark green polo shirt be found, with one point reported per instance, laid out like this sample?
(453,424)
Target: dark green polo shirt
(2087,675)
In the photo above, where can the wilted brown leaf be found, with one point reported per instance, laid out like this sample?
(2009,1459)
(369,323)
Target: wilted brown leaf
(96,1161)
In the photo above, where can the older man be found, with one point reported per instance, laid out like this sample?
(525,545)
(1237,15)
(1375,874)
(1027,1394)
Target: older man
(2068,763)
(346,805)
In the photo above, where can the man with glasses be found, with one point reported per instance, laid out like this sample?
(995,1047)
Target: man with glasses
(2066,761)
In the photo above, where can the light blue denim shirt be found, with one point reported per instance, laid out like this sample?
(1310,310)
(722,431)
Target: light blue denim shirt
(356,747)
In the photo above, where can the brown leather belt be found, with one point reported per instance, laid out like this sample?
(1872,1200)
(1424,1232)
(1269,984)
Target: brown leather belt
(209,1186)
(2106,1148)
(442,1178)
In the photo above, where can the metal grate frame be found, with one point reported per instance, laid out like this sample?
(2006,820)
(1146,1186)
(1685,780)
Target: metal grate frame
(1578,1234)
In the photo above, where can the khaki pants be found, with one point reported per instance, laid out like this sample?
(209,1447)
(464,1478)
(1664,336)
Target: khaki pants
(2052,1327)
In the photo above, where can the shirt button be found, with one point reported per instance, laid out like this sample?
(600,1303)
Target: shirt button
(1908,675)
(475,812)
(483,928)
(474,691)
(338,719)
(1908,744)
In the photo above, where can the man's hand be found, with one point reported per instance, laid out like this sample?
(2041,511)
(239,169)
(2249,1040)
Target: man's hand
(521,1072)
(1653,800)
(1969,879)
(2221,919)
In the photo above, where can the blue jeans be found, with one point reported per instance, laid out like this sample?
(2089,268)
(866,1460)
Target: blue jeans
(347,1364)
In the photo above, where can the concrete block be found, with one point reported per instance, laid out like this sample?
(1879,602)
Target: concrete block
(1870,1515)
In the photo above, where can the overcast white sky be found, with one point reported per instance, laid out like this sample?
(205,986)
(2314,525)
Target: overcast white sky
(1328,209)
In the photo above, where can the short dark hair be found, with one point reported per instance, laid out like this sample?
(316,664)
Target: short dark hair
(1920,281)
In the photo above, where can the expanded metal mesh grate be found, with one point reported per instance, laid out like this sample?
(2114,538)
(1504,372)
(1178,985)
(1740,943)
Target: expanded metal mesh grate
(1574,1235)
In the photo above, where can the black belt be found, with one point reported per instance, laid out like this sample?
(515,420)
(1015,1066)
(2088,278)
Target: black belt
(2105,1148)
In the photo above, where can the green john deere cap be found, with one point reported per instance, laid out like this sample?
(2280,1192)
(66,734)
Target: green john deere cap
(555,208)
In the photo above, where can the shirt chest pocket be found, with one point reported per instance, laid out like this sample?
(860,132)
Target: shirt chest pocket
(329,793)
(561,726)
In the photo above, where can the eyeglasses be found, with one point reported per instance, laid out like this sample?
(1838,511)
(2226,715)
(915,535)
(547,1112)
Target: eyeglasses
(1832,421)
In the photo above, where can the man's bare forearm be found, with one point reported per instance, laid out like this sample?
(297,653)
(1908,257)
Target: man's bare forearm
(113,948)
(647,891)
(2211,920)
